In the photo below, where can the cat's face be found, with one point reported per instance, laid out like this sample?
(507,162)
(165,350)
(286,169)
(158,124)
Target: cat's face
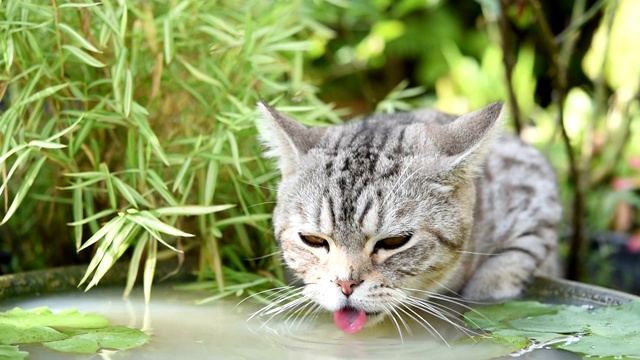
(369,211)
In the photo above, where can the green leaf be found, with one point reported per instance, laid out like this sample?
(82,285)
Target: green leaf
(46,145)
(83,56)
(8,352)
(605,332)
(84,42)
(190,210)
(148,221)
(12,335)
(29,178)
(113,337)
(42,316)
(128,92)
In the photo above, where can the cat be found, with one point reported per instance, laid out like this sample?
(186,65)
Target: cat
(375,215)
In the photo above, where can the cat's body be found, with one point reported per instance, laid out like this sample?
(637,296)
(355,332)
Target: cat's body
(375,214)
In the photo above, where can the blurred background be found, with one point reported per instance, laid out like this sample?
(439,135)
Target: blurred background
(126,127)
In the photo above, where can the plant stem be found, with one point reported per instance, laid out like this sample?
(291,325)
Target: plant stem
(509,63)
(577,246)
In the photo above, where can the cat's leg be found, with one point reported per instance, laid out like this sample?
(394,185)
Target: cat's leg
(506,273)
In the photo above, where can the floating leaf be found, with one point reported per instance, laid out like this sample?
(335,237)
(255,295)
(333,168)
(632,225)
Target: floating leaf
(113,337)
(8,352)
(42,316)
(606,331)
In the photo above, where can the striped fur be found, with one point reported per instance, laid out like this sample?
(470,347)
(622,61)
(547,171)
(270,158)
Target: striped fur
(480,209)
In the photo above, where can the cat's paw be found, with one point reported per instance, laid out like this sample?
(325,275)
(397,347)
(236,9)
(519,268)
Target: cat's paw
(497,279)
(494,288)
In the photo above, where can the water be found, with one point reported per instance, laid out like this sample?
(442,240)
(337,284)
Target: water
(220,330)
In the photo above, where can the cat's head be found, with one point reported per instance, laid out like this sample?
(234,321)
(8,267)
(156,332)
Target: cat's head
(367,210)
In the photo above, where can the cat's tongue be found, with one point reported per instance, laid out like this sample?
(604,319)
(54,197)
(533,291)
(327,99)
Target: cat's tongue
(350,320)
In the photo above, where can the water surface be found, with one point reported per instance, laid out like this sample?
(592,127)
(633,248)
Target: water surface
(220,330)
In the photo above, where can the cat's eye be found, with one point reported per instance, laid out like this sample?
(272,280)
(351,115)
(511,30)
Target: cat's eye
(314,241)
(391,243)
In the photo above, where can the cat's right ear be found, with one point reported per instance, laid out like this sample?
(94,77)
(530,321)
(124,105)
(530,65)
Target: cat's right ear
(285,138)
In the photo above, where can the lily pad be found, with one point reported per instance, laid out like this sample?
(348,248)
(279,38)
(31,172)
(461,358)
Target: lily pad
(68,330)
(44,317)
(8,352)
(606,331)
(12,335)
(113,337)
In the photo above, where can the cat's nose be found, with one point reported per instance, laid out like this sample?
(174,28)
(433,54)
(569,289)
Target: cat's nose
(347,286)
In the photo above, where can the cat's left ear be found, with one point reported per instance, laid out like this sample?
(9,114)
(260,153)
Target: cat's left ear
(285,138)
(467,140)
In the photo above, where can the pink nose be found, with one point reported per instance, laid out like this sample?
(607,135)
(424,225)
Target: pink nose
(347,286)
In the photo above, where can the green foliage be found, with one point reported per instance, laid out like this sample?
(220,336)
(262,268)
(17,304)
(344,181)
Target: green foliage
(607,331)
(132,121)
(68,331)
(8,352)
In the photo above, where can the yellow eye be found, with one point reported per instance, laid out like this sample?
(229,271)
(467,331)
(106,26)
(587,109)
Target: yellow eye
(314,241)
(391,243)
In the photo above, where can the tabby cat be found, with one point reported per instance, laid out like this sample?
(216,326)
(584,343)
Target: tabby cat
(375,216)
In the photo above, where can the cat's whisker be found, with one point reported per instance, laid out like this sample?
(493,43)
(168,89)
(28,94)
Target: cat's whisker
(422,322)
(275,305)
(475,253)
(313,311)
(395,322)
(280,310)
(274,290)
(441,312)
(264,256)
(406,326)
(453,300)
(271,189)
(295,313)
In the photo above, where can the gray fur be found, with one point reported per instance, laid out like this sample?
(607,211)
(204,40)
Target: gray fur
(481,208)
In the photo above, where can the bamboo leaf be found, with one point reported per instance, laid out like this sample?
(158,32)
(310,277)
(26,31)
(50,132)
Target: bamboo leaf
(83,56)
(93,217)
(149,221)
(118,246)
(134,263)
(77,215)
(46,145)
(113,223)
(128,92)
(243,219)
(43,94)
(190,210)
(66,130)
(149,269)
(29,178)
(111,192)
(199,74)
(129,193)
(181,173)
(16,165)
(168,41)
(84,42)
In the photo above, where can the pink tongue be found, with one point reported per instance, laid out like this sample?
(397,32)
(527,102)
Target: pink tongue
(350,320)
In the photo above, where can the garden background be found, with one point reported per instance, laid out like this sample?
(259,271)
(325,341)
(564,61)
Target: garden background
(127,127)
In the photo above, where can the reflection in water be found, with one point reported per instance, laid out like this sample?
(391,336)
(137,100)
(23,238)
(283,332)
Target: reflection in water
(220,330)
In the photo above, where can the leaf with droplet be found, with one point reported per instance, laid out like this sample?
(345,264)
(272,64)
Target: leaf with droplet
(606,331)
(113,337)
